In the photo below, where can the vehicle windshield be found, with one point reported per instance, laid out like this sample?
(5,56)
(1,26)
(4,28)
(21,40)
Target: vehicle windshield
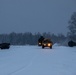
(47,41)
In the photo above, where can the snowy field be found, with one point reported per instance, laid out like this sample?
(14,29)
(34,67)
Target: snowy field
(33,60)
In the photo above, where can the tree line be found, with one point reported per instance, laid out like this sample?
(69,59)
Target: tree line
(29,38)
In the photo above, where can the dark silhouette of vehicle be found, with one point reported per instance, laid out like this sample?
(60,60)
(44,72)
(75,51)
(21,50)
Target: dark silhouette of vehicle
(47,43)
(5,45)
(40,41)
(71,43)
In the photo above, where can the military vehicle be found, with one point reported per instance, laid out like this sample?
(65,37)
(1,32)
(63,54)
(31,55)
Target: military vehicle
(5,45)
(47,43)
(40,41)
(71,43)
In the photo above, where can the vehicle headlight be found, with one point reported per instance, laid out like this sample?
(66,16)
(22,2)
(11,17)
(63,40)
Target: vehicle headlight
(39,43)
(49,44)
(44,44)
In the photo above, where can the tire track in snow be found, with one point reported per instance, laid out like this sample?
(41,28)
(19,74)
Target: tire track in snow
(23,68)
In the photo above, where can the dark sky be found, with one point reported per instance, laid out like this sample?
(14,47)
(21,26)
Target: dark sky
(35,15)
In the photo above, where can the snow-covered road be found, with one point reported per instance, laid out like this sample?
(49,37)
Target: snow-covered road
(33,60)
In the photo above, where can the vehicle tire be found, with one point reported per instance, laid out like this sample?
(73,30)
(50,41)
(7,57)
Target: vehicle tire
(70,43)
(50,47)
(7,48)
(42,46)
(2,48)
(39,45)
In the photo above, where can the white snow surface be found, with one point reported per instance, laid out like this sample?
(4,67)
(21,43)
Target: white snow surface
(33,60)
